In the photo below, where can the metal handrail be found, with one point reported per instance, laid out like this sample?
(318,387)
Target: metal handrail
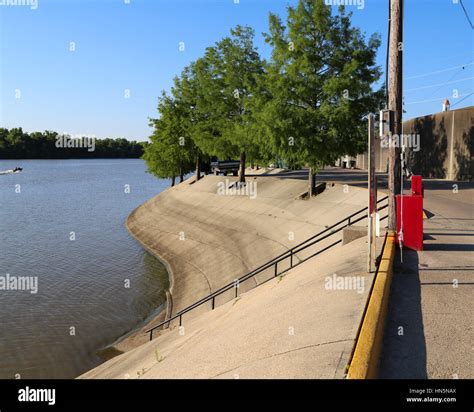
(273,262)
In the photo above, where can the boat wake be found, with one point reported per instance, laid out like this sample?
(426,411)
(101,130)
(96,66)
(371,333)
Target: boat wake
(11,171)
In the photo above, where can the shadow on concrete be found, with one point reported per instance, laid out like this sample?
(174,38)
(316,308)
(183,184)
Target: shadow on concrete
(446,283)
(450,247)
(464,154)
(451,268)
(404,346)
(467,233)
(429,161)
(428,213)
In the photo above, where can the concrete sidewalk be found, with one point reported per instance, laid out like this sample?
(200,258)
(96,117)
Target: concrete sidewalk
(429,331)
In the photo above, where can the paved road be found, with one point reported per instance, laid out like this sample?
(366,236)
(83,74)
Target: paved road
(432,293)
(354,177)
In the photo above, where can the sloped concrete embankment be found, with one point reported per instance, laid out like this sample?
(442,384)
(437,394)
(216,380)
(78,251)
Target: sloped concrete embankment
(301,325)
(207,239)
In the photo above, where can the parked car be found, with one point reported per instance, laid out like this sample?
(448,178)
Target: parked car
(225,166)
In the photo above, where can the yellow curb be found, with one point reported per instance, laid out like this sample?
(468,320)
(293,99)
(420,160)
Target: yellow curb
(368,347)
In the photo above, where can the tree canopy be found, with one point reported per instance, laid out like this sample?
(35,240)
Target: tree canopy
(319,83)
(171,152)
(306,106)
(211,102)
(18,144)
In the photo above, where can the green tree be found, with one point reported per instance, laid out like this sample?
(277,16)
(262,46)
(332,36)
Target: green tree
(194,120)
(318,85)
(15,140)
(223,84)
(171,153)
(4,148)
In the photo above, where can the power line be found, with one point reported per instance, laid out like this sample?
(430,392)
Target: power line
(440,71)
(439,84)
(451,78)
(444,59)
(467,15)
(438,99)
(462,99)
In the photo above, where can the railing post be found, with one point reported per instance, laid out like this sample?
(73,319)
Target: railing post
(349,221)
(180,320)
(236,287)
(151,334)
(213,302)
(291,258)
(276,269)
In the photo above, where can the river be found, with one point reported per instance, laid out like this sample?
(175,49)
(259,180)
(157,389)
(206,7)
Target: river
(62,224)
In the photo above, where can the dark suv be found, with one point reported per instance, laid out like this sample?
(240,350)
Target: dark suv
(225,166)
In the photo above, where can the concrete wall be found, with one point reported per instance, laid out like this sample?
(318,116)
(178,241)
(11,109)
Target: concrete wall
(446,146)
(381,158)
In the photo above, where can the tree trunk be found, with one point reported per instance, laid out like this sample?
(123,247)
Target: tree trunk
(181,178)
(311,182)
(173,180)
(198,167)
(242,168)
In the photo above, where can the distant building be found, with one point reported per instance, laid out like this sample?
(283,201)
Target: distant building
(446,105)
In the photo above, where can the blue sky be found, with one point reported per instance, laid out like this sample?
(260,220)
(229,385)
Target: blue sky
(136,47)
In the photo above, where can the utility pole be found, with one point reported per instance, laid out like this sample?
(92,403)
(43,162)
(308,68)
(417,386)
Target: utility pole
(395,103)
(372,186)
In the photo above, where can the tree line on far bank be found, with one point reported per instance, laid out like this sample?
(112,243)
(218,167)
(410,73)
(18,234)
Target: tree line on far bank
(17,144)
(306,106)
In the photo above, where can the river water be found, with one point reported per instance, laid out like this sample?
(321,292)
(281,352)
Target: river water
(62,223)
